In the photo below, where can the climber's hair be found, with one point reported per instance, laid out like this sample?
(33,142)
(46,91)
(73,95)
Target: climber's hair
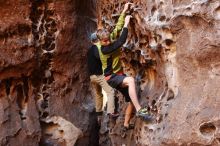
(103,34)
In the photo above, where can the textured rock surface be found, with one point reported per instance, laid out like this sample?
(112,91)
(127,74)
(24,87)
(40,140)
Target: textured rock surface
(43,84)
(176,63)
(44,90)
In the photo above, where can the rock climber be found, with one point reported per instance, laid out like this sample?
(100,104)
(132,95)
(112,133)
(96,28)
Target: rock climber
(98,82)
(109,53)
(95,70)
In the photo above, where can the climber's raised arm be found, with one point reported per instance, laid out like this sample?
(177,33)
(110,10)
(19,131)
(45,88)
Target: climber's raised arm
(119,42)
(119,25)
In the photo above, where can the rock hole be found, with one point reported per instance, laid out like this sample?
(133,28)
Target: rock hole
(36,36)
(24,29)
(188,8)
(44,105)
(170,95)
(145,128)
(39,11)
(153,10)
(53,25)
(22,104)
(61,131)
(168,42)
(137,138)
(50,12)
(21,116)
(52,47)
(20,96)
(8,83)
(168,19)
(44,87)
(25,87)
(148,129)
(47,58)
(153,102)
(167,49)
(44,115)
(46,95)
(207,129)
(48,43)
(162,18)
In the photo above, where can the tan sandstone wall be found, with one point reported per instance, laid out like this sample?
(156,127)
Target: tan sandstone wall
(44,88)
(176,63)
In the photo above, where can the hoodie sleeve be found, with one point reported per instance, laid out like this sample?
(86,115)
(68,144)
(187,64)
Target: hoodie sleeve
(117,44)
(116,32)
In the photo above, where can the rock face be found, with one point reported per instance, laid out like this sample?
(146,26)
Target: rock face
(43,81)
(44,88)
(175,59)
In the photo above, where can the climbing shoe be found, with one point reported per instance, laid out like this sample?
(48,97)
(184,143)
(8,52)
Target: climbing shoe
(126,128)
(144,114)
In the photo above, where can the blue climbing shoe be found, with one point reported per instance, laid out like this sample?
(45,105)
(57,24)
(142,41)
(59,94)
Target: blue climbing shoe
(144,114)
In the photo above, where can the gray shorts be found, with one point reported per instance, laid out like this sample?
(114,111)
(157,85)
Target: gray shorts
(116,82)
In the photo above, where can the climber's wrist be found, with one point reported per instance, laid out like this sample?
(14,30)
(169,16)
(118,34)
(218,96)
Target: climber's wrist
(124,11)
(125,26)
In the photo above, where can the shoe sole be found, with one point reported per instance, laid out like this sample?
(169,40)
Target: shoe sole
(145,118)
